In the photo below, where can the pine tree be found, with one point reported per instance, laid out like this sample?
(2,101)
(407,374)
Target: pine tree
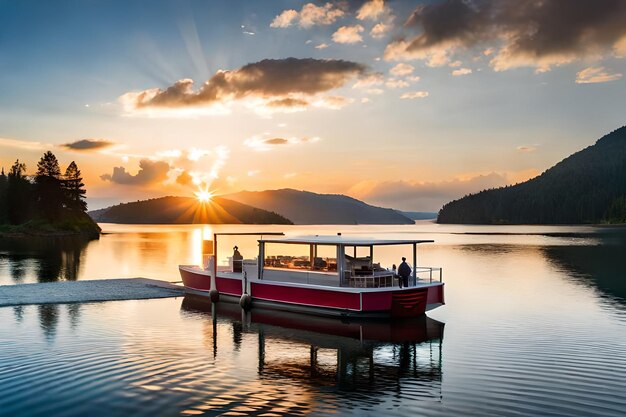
(50,196)
(19,191)
(4,217)
(74,189)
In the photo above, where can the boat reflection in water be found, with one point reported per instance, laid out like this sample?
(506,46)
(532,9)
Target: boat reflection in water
(368,360)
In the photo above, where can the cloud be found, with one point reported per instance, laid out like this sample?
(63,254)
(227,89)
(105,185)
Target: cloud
(620,48)
(371,10)
(379,30)
(523,33)
(23,144)
(195,154)
(170,153)
(184,179)
(348,34)
(260,143)
(173,168)
(414,94)
(526,148)
(426,196)
(275,141)
(395,83)
(285,19)
(402,69)
(310,15)
(369,80)
(332,102)
(288,102)
(247,31)
(321,46)
(88,145)
(150,172)
(461,71)
(596,75)
(271,82)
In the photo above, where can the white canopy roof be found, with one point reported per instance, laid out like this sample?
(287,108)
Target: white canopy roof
(346,241)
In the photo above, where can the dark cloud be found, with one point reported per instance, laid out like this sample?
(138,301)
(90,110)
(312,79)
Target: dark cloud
(450,20)
(88,144)
(150,172)
(287,102)
(524,32)
(275,80)
(261,143)
(275,141)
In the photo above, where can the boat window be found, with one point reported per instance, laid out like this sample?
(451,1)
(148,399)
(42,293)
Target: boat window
(308,257)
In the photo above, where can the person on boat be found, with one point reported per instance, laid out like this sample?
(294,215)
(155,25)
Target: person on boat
(404,270)
(237,260)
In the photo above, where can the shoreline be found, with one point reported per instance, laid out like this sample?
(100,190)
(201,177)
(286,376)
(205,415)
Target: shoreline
(25,234)
(87,291)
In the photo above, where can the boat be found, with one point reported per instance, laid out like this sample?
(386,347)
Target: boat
(318,275)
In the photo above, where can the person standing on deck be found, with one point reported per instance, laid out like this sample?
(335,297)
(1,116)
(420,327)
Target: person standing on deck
(404,270)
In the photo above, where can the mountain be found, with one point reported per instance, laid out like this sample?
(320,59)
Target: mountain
(419,215)
(186,210)
(303,207)
(586,187)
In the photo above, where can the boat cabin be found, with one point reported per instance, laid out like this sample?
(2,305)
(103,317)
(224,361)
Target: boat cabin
(335,261)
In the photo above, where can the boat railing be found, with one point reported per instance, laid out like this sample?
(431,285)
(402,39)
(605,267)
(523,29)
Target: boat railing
(371,279)
(430,273)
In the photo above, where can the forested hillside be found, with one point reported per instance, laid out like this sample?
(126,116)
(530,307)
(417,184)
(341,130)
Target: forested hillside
(304,207)
(587,187)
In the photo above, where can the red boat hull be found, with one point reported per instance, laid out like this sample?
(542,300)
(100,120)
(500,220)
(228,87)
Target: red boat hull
(383,302)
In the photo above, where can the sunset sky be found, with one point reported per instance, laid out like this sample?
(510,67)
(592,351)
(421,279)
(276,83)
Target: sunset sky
(404,104)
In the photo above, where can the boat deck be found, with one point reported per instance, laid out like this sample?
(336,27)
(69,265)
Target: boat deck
(315,280)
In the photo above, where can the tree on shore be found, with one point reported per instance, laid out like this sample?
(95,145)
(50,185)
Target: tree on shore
(49,196)
(19,191)
(73,188)
(3,197)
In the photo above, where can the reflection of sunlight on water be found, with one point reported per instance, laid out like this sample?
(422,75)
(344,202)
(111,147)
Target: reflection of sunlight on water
(155,251)
(207,232)
(196,246)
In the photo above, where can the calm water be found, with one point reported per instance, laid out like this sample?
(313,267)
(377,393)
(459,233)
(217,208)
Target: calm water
(535,324)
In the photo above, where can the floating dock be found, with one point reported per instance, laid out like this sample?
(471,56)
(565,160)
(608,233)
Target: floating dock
(87,291)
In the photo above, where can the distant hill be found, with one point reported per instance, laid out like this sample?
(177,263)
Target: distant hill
(186,210)
(303,207)
(419,215)
(586,187)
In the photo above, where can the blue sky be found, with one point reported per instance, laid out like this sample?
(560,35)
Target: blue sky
(490,116)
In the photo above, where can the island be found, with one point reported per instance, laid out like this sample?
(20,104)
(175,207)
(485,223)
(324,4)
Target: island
(186,210)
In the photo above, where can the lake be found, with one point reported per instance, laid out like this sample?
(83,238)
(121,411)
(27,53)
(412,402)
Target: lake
(534,324)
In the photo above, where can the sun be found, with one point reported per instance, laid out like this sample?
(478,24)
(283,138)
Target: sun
(203,196)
